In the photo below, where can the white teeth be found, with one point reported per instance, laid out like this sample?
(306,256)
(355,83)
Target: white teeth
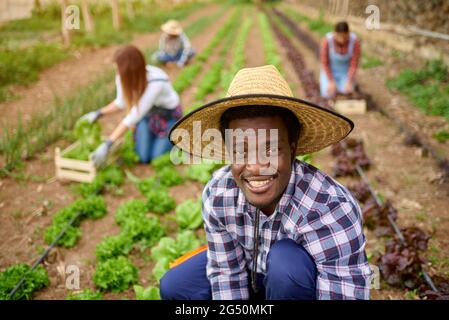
(259,183)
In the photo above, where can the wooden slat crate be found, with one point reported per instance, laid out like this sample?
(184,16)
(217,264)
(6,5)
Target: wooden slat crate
(79,170)
(349,107)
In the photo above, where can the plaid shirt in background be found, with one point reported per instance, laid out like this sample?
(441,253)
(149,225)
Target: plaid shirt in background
(173,45)
(315,211)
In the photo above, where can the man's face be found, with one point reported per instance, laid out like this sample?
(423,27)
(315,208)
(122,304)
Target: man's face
(341,37)
(261,182)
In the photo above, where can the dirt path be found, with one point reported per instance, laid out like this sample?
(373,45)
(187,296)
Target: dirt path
(254,53)
(188,96)
(287,69)
(76,72)
(399,173)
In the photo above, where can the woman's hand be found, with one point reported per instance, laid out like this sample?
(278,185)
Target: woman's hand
(92,116)
(100,154)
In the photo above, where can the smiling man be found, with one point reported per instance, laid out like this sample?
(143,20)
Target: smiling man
(276,229)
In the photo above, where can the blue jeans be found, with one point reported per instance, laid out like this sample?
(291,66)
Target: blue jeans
(165,57)
(148,145)
(291,275)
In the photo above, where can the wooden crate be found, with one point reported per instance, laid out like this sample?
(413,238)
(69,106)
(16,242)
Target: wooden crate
(350,107)
(80,170)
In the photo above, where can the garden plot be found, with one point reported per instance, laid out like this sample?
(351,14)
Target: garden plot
(134,221)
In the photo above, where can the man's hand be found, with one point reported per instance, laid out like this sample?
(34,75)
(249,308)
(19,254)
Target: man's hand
(331,88)
(92,116)
(348,87)
(100,155)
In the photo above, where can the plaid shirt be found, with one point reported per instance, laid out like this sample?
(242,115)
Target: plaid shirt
(315,211)
(173,45)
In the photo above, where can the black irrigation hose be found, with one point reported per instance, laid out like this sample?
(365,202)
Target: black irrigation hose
(46,252)
(394,225)
(44,255)
(396,228)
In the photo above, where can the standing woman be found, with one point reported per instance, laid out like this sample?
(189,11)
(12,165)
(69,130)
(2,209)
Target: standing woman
(153,106)
(339,56)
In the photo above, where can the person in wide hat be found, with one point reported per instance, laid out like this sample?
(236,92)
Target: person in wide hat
(276,227)
(340,53)
(174,45)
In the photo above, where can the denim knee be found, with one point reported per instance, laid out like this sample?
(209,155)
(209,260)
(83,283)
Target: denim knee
(168,286)
(291,272)
(143,141)
(143,156)
(187,281)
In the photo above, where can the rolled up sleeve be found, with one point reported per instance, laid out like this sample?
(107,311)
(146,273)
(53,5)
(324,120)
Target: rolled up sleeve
(337,244)
(226,267)
(186,48)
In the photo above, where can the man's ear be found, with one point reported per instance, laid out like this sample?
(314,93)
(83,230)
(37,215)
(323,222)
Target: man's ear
(293,150)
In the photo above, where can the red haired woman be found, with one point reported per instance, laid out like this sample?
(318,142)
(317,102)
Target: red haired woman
(152,103)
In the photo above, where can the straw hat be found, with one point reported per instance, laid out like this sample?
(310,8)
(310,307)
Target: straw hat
(261,86)
(172,27)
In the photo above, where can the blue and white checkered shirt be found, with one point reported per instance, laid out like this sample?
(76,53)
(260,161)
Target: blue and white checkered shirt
(315,211)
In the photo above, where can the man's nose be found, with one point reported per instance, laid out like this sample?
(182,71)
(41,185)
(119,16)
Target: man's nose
(255,166)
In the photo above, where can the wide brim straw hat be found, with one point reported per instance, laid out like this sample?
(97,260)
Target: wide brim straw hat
(172,27)
(260,86)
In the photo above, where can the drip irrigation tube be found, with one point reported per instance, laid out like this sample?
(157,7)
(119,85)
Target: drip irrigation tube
(44,255)
(379,203)
(393,224)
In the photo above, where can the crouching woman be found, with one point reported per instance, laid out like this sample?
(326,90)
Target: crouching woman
(152,105)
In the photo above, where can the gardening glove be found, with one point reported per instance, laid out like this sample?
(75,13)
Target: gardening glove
(100,154)
(92,116)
